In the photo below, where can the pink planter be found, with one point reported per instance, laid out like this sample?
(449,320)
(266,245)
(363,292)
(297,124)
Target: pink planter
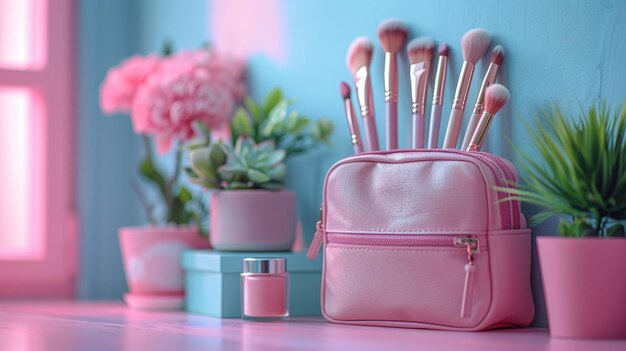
(253,220)
(151,256)
(584,282)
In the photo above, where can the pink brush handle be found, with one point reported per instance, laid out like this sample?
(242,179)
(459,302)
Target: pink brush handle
(435,121)
(419,128)
(358,148)
(454,126)
(391,109)
(371,136)
(469,132)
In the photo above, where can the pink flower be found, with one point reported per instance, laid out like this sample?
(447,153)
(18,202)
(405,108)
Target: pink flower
(228,72)
(188,87)
(121,83)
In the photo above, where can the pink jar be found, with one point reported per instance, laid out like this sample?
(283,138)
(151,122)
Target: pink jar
(264,289)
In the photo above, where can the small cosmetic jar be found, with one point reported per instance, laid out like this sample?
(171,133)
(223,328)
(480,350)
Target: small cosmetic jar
(264,289)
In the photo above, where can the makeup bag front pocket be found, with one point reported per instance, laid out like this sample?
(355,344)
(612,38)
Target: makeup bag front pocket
(423,279)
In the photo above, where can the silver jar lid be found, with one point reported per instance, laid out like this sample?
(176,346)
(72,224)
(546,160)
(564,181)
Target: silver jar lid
(264,265)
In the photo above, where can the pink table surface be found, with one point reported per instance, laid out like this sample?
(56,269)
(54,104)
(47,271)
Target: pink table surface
(93,326)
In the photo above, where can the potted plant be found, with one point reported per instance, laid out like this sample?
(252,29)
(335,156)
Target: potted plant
(583,177)
(250,210)
(171,100)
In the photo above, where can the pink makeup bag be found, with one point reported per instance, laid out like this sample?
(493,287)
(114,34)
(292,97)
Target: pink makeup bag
(421,239)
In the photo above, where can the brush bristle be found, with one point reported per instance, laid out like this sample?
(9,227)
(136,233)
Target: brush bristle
(495,97)
(359,54)
(420,49)
(392,35)
(443,49)
(345,90)
(497,55)
(475,44)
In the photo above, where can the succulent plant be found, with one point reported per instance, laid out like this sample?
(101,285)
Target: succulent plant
(273,120)
(264,135)
(245,166)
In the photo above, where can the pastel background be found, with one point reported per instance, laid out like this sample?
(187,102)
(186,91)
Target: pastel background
(563,51)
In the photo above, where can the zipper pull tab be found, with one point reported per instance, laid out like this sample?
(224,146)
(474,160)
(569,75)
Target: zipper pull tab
(466,303)
(318,237)
(472,246)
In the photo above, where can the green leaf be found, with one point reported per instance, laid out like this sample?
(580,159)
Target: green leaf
(253,108)
(272,99)
(257,176)
(184,195)
(322,130)
(217,154)
(275,123)
(277,171)
(299,125)
(149,172)
(616,230)
(204,130)
(241,124)
(273,158)
(201,163)
(229,172)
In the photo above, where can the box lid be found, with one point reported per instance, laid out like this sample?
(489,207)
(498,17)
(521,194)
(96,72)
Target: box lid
(232,262)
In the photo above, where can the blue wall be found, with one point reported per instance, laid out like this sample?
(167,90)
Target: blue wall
(562,51)
(109,151)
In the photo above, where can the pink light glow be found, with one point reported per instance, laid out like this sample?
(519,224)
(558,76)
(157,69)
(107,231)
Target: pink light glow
(246,27)
(24,24)
(20,233)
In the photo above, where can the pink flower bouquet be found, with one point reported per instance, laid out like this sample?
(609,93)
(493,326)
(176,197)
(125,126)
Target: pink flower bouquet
(168,99)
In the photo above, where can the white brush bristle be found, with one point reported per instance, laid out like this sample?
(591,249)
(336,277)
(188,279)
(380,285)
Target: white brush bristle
(420,49)
(392,35)
(359,54)
(496,96)
(474,44)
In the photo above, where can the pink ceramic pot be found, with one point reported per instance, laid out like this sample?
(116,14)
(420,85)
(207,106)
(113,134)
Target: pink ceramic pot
(151,256)
(253,220)
(584,282)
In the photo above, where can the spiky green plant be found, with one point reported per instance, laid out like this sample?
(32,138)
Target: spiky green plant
(245,166)
(583,173)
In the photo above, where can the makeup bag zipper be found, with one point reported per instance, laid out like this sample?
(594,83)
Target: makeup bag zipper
(502,172)
(470,246)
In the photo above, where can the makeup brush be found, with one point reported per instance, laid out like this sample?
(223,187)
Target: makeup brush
(474,44)
(497,57)
(392,35)
(440,84)
(496,96)
(420,52)
(358,60)
(353,126)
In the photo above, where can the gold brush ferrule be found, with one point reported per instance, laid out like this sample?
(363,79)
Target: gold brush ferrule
(418,88)
(462,87)
(362,89)
(391,77)
(490,78)
(481,132)
(440,80)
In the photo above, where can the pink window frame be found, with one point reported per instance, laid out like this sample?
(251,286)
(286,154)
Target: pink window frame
(53,272)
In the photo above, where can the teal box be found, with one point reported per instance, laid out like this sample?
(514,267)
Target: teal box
(213,282)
